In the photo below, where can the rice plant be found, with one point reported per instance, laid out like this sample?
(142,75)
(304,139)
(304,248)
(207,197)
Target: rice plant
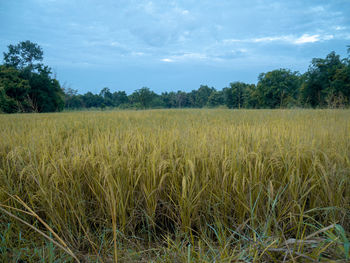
(175,186)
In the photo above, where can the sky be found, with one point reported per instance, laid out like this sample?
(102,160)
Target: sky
(174,45)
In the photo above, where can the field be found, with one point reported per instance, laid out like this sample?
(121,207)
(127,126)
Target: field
(175,186)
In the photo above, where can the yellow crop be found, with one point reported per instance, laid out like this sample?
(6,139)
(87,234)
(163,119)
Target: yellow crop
(175,186)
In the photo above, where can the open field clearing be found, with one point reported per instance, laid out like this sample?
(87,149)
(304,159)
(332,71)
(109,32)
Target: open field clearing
(175,186)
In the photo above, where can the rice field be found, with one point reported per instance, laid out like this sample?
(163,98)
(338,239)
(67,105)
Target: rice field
(175,186)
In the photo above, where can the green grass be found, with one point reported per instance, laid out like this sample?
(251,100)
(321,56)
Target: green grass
(175,186)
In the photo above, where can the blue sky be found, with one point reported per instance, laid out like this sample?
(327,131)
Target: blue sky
(174,45)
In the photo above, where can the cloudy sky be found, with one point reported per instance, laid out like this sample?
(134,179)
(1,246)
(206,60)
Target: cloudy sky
(174,45)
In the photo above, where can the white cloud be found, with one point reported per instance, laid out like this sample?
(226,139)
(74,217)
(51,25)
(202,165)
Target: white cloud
(317,9)
(338,28)
(137,54)
(167,60)
(291,39)
(115,44)
(185,12)
(233,40)
(328,37)
(270,39)
(186,57)
(312,38)
(191,56)
(306,38)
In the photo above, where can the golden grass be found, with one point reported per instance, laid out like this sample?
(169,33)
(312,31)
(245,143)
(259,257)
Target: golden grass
(176,185)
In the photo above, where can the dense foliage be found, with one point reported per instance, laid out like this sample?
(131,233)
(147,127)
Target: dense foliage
(27,85)
(326,84)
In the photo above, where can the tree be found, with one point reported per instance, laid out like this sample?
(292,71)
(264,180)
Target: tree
(278,88)
(339,91)
(71,99)
(92,100)
(182,100)
(23,55)
(13,91)
(251,96)
(45,93)
(340,85)
(120,98)
(319,78)
(234,96)
(202,95)
(143,97)
(192,99)
(215,99)
(169,99)
(107,96)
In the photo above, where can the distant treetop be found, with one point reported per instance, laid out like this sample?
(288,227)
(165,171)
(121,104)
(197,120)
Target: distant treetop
(23,55)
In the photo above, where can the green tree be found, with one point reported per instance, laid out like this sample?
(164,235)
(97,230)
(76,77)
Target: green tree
(182,99)
(107,96)
(92,100)
(23,55)
(202,95)
(143,97)
(72,100)
(215,99)
(251,96)
(235,95)
(120,98)
(169,99)
(278,88)
(13,91)
(319,80)
(45,93)
(339,90)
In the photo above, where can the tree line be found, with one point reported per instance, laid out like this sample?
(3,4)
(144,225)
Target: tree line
(325,84)
(26,86)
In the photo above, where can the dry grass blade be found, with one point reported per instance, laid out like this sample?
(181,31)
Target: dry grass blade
(68,251)
(44,223)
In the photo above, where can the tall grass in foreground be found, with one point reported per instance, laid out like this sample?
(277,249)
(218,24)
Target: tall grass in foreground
(175,186)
